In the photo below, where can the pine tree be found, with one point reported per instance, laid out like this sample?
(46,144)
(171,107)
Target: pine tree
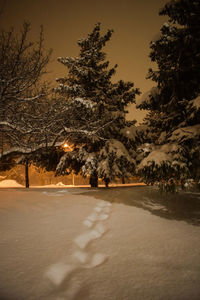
(97,107)
(174,103)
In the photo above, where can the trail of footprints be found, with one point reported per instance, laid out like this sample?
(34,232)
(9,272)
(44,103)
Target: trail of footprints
(61,274)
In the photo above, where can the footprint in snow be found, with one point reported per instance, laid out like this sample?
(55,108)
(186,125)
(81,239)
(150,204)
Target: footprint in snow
(84,239)
(104,204)
(100,214)
(52,194)
(89,261)
(72,291)
(59,272)
(97,217)
(88,223)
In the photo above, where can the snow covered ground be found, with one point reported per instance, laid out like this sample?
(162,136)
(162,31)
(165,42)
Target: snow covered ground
(101,244)
(9,183)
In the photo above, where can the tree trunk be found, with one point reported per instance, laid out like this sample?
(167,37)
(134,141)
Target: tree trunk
(26,174)
(94,180)
(123,180)
(106,180)
(1,143)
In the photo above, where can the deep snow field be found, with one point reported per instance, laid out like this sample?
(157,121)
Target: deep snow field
(126,243)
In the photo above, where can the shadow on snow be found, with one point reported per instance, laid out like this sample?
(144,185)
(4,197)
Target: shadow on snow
(181,206)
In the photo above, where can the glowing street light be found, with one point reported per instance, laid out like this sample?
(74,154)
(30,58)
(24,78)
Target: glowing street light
(65,145)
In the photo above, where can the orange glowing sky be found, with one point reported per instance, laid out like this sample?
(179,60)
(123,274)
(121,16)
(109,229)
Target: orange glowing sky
(135,24)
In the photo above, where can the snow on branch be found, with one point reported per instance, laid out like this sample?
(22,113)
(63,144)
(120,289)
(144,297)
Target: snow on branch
(185,133)
(25,150)
(147,98)
(83,131)
(160,155)
(115,146)
(19,129)
(196,102)
(86,103)
(31,98)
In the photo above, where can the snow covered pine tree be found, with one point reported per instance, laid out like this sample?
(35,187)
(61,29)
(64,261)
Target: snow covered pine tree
(174,104)
(96,128)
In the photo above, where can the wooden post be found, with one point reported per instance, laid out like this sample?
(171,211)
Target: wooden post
(42,176)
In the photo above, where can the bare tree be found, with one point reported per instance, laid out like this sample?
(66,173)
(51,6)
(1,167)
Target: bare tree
(22,64)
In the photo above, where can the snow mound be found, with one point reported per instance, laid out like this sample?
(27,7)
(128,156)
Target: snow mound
(10,183)
(60,184)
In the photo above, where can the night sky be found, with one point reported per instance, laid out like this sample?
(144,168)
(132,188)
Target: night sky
(135,24)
